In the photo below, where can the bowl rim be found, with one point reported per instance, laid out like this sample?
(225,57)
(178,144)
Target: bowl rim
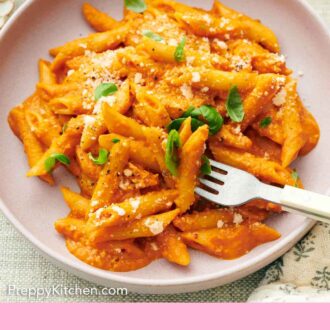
(85,271)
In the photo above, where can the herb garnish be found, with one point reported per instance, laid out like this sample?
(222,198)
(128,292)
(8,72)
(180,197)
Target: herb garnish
(105,89)
(138,6)
(50,162)
(171,153)
(102,157)
(234,105)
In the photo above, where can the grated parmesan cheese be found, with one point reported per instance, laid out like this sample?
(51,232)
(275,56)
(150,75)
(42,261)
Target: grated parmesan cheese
(196,77)
(70,72)
(186,91)
(104,60)
(99,212)
(120,211)
(280,58)
(207,19)
(173,42)
(220,224)
(124,184)
(128,172)
(110,100)
(239,63)
(238,219)
(221,44)
(190,60)
(94,202)
(138,78)
(89,120)
(223,21)
(280,98)
(135,203)
(237,129)
(156,227)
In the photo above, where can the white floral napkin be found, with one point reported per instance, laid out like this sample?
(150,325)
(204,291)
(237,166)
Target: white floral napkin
(302,274)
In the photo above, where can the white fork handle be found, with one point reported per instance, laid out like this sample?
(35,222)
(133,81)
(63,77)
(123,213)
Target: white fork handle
(313,205)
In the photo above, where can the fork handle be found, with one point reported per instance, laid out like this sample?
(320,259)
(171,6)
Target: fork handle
(304,202)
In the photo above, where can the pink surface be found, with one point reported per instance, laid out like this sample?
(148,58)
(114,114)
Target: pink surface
(32,207)
(163,316)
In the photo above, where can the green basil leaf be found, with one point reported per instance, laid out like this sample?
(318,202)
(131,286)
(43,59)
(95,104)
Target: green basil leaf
(234,105)
(105,89)
(207,113)
(179,51)
(138,6)
(211,116)
(62,158)
(171,155)
(175,124)
(206,166)
(265,122)
(188,112)
(152,35)
(195,123)
(50,162)
(295,177)
(115,140)
(102,157)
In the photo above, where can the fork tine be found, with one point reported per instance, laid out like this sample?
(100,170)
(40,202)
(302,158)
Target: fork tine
(220,166)
(210,184)
(207,195)
(218,176)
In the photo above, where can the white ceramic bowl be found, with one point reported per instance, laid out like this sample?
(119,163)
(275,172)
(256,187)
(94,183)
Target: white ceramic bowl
(32,207)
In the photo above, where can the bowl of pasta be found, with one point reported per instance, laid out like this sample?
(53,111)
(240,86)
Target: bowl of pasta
(120,105)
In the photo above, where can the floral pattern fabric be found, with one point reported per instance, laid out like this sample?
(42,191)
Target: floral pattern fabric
(301,275)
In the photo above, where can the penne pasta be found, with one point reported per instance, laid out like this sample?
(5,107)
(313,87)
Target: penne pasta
(189,168)
(98,20)
(230,243)
(108,217)
(147,227)
(262,168)
(135,111)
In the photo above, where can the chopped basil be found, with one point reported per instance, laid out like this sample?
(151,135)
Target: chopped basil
(234,105)
(175,124)
(152,35)
(206,166)
(102,157)
(171,155)
(188,112)
(195,123)
(50,162)
(265,122)
(105,89)
(179,51)
(115,140)
(295,177)
(211,116)
(138,6)
(198,115)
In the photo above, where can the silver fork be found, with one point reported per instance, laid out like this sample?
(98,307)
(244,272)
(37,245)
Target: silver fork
(235,187)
